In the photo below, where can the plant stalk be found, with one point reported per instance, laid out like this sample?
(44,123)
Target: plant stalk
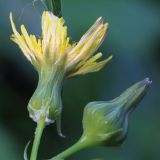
(38,135)
(70,151)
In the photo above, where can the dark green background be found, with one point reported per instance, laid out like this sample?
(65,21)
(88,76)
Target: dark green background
(133,40)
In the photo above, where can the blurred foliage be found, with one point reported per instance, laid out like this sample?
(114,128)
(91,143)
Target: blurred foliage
(54,6)
(133,40)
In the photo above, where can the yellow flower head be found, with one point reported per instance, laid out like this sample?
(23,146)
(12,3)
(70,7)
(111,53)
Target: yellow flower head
(54,46)
(55,59)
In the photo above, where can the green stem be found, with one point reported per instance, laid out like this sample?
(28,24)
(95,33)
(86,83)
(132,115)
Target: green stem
(38,135)
(72,150)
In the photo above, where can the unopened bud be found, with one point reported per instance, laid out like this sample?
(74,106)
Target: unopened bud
(106,123)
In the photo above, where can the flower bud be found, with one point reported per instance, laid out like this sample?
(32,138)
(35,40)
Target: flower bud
(106,123)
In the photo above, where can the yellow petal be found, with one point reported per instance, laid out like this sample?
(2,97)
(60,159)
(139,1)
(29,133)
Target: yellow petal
(88,44)
(21,41)
(91,65)
(55,40)
(26,37)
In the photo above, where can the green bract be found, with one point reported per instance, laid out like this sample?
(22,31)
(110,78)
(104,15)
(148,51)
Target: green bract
(46,101)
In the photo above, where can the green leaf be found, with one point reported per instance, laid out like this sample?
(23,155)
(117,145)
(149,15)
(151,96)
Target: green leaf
(54,6)
(25,151)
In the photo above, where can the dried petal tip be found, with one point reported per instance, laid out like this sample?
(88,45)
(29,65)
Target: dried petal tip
(147,81)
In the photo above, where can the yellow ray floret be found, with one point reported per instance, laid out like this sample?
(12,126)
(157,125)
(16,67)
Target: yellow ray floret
(54,44)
